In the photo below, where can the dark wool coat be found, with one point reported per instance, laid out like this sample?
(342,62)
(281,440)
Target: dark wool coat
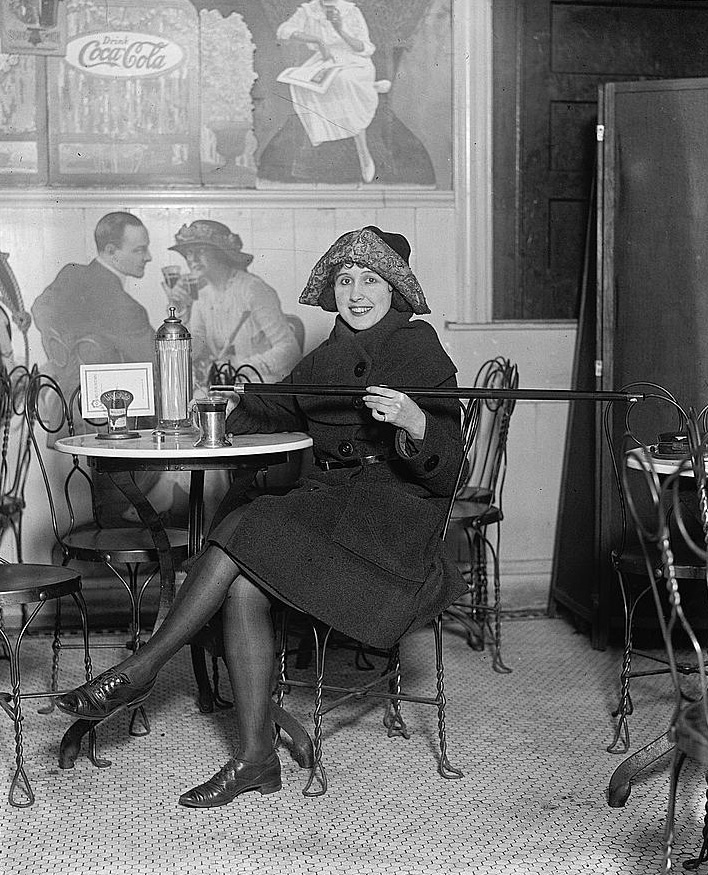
(359,548)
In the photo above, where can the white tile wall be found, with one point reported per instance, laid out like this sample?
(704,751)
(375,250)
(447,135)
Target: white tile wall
(286,239)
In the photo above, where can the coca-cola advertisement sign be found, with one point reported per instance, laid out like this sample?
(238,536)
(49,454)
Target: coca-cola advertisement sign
(123,54)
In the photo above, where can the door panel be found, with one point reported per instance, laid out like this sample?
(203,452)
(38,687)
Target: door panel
(549,60)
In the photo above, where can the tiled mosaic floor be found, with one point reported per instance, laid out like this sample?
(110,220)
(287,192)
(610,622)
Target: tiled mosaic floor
(532,800)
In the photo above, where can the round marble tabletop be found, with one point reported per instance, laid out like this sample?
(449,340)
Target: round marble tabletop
(181,446)
(640,458)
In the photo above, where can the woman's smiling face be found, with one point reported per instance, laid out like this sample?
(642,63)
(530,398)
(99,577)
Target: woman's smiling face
(363,297)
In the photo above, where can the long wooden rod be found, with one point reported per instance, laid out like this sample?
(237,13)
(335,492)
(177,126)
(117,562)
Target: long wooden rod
(457,392)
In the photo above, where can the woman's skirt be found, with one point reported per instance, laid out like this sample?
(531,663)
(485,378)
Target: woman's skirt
(365,558)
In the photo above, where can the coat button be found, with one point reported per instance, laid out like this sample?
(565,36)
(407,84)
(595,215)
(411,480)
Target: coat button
(431,462)
(358,403)
(359,369)
(345,448)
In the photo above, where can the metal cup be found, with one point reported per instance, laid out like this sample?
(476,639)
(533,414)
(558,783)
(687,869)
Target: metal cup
(209,416)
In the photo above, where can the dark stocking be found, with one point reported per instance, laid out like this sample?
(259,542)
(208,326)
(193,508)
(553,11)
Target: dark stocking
(249,652)
(197,600)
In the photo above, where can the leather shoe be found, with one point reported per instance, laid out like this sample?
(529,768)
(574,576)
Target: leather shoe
(301,749)
(236,777)
(105,695)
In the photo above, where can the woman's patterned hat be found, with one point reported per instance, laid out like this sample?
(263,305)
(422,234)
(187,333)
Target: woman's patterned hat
(207,232)
(383,252)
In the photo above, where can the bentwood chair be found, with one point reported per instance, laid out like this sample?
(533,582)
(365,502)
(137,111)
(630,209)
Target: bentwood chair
(478,513)
(641,424)
(326,637)
(29,586)
(126,551)
(688,725)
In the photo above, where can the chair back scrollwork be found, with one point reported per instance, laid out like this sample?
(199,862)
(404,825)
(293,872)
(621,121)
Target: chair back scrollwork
(654,532)
(226,374)
(49,411)
(15,451)
(487,454)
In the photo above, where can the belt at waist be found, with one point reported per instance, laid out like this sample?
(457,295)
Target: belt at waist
(351,463)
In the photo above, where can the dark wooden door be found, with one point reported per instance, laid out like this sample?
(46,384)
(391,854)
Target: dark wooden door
(550,57)
(652,307)
(650,313)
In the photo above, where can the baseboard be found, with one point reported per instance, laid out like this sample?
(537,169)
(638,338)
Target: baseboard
(525,584)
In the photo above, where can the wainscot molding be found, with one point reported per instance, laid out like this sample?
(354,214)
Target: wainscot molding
(563,325)
(313,198)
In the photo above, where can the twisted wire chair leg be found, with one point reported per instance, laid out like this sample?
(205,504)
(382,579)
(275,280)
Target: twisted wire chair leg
(444,767)
(281,684)
(620,741)
(135,596)
(317,772)
(56,650)
(676,765)
(96,760)
(4,652)
(393,716)
(475,632)
(480,584)
(693,864)
(20,794)
(283,660)
(498,663)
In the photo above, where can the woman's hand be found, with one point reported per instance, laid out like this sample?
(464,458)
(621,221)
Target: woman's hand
(395,408)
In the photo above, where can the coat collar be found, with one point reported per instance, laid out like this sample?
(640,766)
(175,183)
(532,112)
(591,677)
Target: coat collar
(371,338)
(345,346)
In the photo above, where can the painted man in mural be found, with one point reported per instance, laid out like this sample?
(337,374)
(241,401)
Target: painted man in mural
(85,316)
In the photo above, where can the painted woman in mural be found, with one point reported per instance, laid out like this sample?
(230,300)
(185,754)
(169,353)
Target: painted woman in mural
(334,92)
(234,317)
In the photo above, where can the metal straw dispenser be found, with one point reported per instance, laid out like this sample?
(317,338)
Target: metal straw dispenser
(173,356)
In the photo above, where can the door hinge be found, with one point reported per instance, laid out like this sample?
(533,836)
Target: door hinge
(599,133)
(598,367)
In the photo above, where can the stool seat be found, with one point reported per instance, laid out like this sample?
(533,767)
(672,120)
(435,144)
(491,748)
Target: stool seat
(125,545)
(25,583)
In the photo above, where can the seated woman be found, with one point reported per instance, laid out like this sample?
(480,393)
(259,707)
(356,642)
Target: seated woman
(357,543)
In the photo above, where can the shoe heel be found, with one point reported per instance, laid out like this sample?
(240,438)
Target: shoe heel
(273,787)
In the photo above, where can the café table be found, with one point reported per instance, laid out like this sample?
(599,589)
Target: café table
(120,459)
(620,785)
